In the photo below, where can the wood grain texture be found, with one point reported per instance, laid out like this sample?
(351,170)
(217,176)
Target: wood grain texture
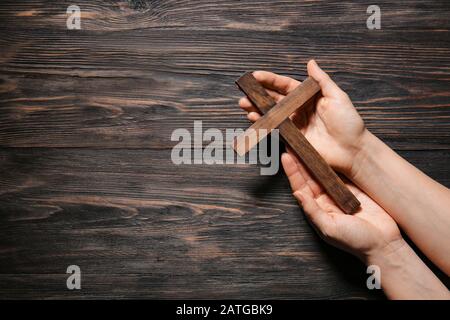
(397,77)
(139,227)
(295,100)
(316,165)
(85,124)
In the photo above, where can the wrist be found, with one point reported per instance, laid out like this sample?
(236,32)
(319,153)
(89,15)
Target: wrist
(403,274)
(366,150)
(388,253)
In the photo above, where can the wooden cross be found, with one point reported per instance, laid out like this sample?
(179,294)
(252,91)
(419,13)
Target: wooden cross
(277,115)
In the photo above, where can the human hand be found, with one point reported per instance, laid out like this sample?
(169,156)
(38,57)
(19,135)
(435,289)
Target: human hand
(330,121)
(333,126)
(368,234)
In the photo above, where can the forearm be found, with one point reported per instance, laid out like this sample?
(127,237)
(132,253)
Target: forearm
(420,205)
(405,276)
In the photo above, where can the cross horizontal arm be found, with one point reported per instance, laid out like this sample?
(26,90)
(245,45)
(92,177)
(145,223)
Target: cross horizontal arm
(275,116)
(316,165)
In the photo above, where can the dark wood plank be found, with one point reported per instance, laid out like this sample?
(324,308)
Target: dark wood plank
(131,213)
(85,124)
(113,84)
(232,15)
(138,227)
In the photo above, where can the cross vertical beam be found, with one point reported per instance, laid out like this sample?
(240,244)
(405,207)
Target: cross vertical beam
(316,165)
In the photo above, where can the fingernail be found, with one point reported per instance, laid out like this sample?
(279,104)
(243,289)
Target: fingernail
(284,154)
(299,196)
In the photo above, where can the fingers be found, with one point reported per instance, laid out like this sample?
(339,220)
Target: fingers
(253,116)
(281,84)
(246,105)
(321,220)
(315,188)
(253,112)
(315,203)
(296,179)
(329,87)
(249,107)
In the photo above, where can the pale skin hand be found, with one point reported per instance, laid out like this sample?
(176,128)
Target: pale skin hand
(370,234)
(420,205)
(364,234)
(335,129)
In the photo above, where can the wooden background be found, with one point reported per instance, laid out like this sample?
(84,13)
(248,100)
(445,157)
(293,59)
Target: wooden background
(85,124)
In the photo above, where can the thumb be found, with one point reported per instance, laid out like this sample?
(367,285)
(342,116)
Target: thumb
(329,87)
